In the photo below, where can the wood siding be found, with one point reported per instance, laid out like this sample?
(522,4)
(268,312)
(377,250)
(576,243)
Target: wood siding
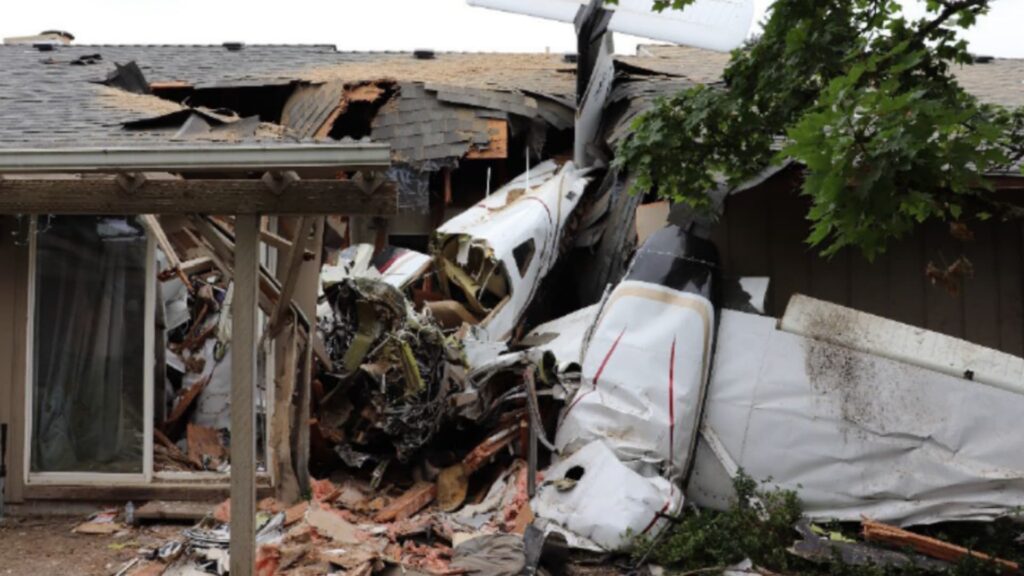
(763,234)
(13,327)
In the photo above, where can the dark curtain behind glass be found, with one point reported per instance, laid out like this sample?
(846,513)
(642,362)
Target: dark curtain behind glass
(89,345)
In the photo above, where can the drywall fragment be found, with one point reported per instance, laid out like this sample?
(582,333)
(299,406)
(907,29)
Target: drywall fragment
(329,524)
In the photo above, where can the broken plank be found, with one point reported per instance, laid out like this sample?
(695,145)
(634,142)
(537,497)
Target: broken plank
(407,505)
(107,196)
(204,441)
(489,448)
(172,426)
(935,548)
(197,265)
(223,248)
(152,224)
(170,84)
(172,450)
(282,244)
(320,350)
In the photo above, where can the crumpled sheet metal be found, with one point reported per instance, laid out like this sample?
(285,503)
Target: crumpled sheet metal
(398,267)
(600,501)
(564,337)
(645,371)
(475,252)
(643,377)
(856,434)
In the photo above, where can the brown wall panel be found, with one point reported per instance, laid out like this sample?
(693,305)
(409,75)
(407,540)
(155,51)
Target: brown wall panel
(765,231)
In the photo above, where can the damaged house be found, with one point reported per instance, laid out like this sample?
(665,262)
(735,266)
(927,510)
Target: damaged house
(453,313)
(456,125)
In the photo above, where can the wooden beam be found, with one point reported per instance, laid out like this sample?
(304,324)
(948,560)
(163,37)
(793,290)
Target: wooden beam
(107,196)
(223,247)
(169,85)
(243,387)
(198,265)
(306,292)
(212,492)
(173,261)
(282,244)
(291,278)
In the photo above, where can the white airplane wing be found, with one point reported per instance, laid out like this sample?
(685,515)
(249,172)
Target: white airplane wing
(712,24)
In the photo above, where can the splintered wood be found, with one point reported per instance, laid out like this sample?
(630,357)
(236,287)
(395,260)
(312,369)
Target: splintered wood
(897,537)
(416,499)
(204,447)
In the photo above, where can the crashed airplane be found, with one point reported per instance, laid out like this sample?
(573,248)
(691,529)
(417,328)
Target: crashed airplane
(416,405)
(898,433)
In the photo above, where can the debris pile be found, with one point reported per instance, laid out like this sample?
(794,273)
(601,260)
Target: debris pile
(353,528)
(394,372)
(195,294)
(194,433)
(451,443)
(450,437)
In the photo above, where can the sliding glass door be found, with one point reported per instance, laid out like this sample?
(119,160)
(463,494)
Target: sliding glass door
(91,347)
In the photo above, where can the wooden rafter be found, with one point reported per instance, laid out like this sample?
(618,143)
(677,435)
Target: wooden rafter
(56,195)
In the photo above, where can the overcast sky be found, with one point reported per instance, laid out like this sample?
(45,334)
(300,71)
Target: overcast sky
(362,24)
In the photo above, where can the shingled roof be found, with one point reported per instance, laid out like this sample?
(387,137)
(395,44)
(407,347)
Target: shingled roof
(995,81)
(56,98)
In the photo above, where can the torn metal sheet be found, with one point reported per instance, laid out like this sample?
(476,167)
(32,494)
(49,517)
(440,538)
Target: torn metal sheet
(493,256)
(398,267)
(646,364)
(564,337)
(593,98)
(855,434)
(645,370)
(872,334)
(600,500)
